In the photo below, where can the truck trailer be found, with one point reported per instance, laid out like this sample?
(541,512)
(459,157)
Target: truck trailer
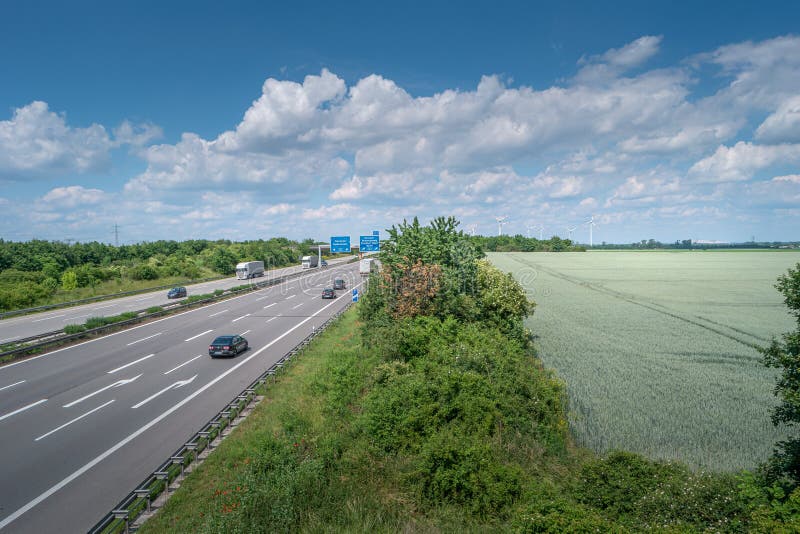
(310,262)
(367,266)
(249,269)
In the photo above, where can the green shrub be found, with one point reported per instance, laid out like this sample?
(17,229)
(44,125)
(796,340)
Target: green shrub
(74,328)
(144,272)
(154,309)
(555,515)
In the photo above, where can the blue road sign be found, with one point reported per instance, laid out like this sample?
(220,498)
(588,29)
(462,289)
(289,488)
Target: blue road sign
(340,243)
(376,232)
(355,295)
(369,243)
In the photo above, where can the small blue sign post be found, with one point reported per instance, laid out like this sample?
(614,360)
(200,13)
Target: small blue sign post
(355,295)
(340,244)
(369,243)
(376,232)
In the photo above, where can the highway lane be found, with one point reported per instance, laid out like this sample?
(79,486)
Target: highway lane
(49,321)
(64,411)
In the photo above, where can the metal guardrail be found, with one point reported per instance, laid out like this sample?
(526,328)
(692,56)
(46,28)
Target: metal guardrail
(140,500)
(13,313)
(53,338)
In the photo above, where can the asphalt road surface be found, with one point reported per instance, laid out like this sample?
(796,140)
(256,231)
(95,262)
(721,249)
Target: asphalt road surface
(81,426)
(40,323)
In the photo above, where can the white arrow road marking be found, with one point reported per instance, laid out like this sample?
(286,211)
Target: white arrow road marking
(198,335)
(242,317)
(129,364)
(176,385)
(147,426)
(144,339)
(90,395)
(12,385)
(74,420)
(15,412)
(184,363)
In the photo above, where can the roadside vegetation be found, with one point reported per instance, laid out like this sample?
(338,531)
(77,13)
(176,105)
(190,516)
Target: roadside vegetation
(520,243)
(35,272)
(427,409)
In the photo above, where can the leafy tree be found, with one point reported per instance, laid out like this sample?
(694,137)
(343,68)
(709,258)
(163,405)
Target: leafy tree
(784,355)
(69,280)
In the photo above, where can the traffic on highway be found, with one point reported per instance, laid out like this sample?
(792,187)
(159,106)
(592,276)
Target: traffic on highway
(82,425)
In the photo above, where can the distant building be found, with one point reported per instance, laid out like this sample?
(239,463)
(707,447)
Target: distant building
(708,242)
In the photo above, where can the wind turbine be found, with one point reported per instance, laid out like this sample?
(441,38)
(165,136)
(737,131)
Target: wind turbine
(529,228)
(472,228)
(570,230)
(591,224)
(501,220)
(541,232)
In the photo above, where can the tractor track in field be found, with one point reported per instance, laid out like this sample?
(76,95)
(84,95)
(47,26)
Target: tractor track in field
(701,322)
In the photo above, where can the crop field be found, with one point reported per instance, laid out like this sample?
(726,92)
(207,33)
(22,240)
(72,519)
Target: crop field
(659,348)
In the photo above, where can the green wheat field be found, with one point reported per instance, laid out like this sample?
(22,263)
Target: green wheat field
(659,348)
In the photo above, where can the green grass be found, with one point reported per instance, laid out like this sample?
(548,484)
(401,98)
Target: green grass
(275,461)
(658,350)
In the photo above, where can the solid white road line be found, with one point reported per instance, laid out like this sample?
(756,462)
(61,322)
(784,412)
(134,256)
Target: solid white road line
(198,335)
(184,363)
(242,317)
(15,412)
(270,305)
(74,420)
(48,318)
(144,339)
(176,385)
(215,314)
(132,363)
(12,385)
(147,426)
(90,395)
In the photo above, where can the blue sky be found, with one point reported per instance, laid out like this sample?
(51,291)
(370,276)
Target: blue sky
(196,120)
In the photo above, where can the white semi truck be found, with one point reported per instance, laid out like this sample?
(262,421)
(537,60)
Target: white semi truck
(249,269)
(367,266)
(310,262)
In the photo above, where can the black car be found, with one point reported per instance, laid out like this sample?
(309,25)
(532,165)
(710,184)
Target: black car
(227,346)
(176,293)
(339,284)
(328,293)
(324,263)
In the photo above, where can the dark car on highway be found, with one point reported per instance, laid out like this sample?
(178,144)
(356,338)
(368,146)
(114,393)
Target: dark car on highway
(324,263)
(328,293)
(227,346)
(176,293)
(339,284)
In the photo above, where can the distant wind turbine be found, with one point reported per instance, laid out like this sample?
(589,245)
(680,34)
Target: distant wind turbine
(591,224)
(541,232)
(472,228)
(501,220)
(570,230)
(529,228)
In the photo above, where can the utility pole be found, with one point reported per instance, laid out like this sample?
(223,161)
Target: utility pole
(116,235)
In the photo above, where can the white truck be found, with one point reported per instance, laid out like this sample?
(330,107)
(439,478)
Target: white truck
(310,262)
(367,266)
(249,269)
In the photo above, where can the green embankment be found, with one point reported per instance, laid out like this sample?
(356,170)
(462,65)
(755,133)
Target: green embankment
(313,457)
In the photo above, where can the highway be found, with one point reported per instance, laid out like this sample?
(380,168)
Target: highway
(81,426)
(43,322)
